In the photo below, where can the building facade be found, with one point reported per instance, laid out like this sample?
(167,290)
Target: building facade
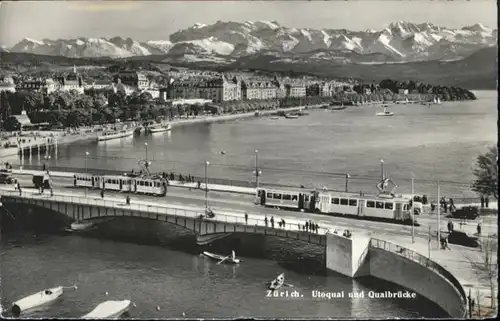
(216,89)
(133,79)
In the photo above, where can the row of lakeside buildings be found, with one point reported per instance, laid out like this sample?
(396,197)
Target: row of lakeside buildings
(217,88)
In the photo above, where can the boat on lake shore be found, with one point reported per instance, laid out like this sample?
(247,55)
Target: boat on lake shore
(160,128)
(36,300)
(115,134)
(291,116)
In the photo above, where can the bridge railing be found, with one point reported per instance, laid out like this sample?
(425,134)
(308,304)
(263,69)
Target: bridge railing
(135,206)
(424,261)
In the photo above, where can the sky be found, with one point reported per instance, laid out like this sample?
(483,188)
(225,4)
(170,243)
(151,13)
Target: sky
(156,20)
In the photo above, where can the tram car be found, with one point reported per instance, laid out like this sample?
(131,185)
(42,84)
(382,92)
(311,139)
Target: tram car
(154,185)
(337,203)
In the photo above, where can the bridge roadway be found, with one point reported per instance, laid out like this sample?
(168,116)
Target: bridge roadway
(460,261)
(243,203)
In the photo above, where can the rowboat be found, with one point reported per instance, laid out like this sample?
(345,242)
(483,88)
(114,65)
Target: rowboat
(36,300)
(109,310)
(278,282)
(220,258)
(290,116)
(81,226)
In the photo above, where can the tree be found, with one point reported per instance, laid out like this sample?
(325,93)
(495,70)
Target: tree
(5,110)
(12,124)
(486,172)
(486,264)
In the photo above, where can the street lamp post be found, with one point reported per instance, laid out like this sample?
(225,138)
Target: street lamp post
(382,169)
(146,160)
(438,205)
(207,163)
(257,172)
(86,155)
(346,181)
(412,212)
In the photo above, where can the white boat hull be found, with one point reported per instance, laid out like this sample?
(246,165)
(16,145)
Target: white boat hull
(160,129)
(109,310)
(118,135)
(385,114)
(220,258)
(36,300)
(75,226)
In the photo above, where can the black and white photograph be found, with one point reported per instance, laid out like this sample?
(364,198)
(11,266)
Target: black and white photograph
(248,159)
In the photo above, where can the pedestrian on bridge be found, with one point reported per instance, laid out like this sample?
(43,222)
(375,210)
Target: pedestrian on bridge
(283,222)
(479,228)
(316,227)
(307,226)
(482,201)
(272,221)
(128,200)
(102,193)
(246,218)
(19,188)
(486,201)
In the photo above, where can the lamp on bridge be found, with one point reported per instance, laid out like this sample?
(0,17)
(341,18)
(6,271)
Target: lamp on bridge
(146,163)
(207,163)
(257,172)
(382,169)
(86,155)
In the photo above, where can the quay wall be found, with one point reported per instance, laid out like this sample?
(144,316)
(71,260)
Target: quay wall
(356,256)
(414,276)
(364,256)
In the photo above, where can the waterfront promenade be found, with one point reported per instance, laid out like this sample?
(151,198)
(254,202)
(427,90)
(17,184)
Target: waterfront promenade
(90,134)
(457,260)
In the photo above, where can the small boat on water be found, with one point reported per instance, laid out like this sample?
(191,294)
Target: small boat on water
(220,258)
(115,134)
(160,128)
(81,226)
(337,107)
(37,299)
(278,282)
(109,310)
(385,113)
(291,116)
(275,117)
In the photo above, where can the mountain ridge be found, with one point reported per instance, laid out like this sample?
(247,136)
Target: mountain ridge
(399,41)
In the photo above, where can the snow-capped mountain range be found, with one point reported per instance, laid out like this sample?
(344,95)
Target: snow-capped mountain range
(400,41)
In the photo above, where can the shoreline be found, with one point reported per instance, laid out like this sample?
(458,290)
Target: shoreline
(81,137)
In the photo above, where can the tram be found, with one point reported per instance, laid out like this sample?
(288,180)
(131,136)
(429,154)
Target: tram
(149,185)
(384,207)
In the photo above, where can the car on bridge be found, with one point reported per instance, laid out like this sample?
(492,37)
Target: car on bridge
(466,212)
(462,238)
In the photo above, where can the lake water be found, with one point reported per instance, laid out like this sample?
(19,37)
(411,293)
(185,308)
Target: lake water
(437,143)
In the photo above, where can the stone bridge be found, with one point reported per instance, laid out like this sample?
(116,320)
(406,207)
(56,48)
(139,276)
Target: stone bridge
(81,208)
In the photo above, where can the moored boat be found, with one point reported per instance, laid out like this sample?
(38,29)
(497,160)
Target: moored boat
(337,107)
(278,282)
(275,117)
(221,258)
(109,310)
(291,116)
(115,134)
(36,300)
(160,128)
